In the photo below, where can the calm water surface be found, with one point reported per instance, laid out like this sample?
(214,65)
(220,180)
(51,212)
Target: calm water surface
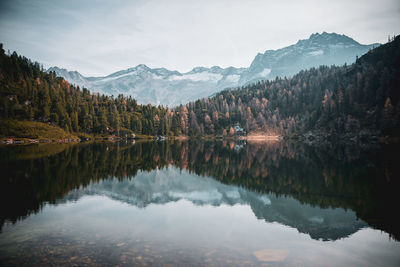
(199,203)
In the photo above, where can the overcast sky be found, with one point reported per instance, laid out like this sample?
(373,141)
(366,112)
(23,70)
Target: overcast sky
(99,37)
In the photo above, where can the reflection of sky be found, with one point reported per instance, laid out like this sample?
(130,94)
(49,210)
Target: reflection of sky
(184,226)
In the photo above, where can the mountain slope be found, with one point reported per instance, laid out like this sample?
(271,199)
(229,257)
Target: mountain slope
(28,94)
(162,86)
(359,100)
(320,49)
(355,101)
(159,85)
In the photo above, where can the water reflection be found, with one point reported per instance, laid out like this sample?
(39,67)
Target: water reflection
(170,185)
(328,193)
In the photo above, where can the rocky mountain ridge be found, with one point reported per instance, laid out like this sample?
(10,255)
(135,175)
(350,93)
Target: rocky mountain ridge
(163,86)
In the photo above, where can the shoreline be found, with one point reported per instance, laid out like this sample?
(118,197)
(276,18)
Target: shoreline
(261,138)
(249,138)
(21,140)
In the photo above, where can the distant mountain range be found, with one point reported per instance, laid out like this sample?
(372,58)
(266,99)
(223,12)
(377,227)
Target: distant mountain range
(163,86)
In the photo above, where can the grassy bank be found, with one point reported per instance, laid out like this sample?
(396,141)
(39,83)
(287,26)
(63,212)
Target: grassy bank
(27,131)
(24,130)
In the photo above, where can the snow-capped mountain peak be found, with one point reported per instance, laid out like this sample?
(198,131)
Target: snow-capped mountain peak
(319,49)
(163,86)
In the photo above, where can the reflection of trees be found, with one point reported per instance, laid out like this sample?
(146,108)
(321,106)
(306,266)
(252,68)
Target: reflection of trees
(348,177)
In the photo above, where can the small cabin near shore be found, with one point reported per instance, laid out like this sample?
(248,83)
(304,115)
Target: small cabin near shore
(238,129)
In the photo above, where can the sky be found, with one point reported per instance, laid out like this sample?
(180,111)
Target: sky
(100,37)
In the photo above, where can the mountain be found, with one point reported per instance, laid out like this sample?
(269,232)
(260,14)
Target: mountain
(320,49)
(162,86)
(158,85)
(351,101)
(357,101)
(71,76)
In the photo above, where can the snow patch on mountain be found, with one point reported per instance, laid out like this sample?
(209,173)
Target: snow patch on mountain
(265,72)
(157,77)
(232,78)
(108,78)
(316,53)
(197,77)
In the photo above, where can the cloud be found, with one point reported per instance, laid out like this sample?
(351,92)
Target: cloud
(99,37)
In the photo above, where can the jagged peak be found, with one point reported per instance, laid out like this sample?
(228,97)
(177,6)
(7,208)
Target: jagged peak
(57,69)
(199,69)
(142,66)
(63,71)
(54,68)
(137,67)
(328,37)
(215,68)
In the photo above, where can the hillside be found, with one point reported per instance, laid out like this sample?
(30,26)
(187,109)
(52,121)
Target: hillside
(29,94)
(166,87)
(359,100)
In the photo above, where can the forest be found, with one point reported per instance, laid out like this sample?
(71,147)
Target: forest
(361,99)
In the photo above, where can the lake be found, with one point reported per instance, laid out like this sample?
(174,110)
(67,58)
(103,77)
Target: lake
(196,203)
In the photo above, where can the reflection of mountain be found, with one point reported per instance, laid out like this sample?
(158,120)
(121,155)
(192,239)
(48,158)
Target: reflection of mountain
(167,185)
(347,177)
